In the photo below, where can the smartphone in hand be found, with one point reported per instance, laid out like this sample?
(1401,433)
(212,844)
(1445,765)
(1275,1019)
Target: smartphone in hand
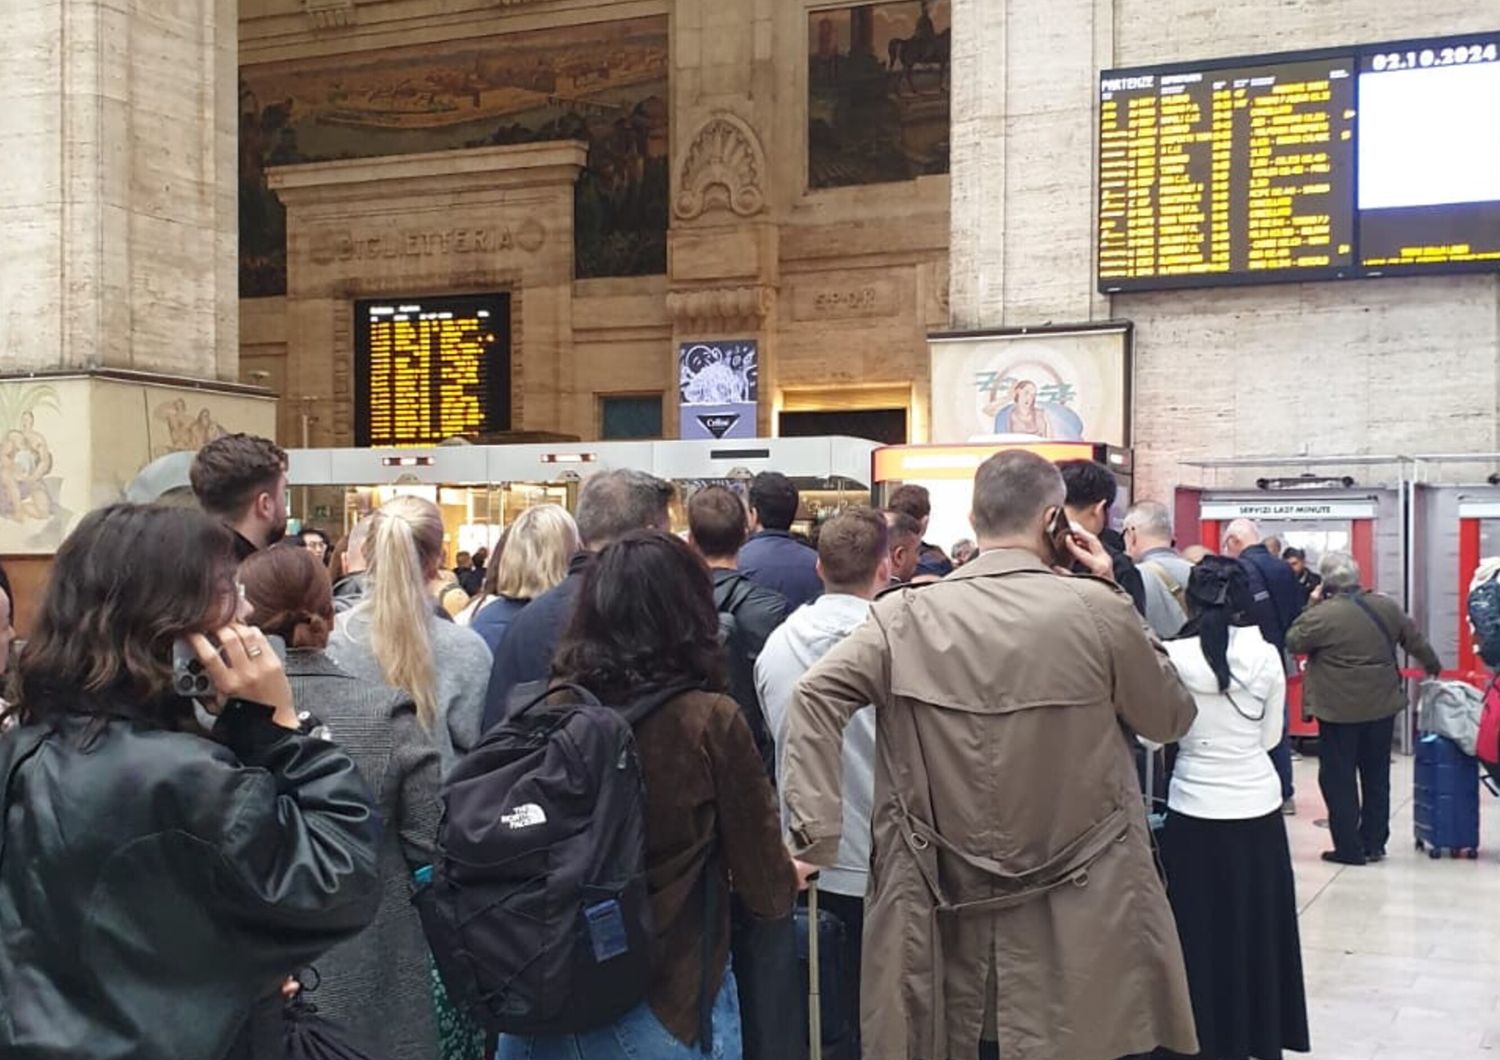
(191,681)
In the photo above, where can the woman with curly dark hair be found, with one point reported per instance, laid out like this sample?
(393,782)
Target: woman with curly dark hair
(158,880)
(646,622)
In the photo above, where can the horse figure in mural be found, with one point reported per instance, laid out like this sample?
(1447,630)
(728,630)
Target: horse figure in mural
(921,50)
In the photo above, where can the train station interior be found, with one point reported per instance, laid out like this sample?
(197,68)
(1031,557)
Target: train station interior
(1246,255)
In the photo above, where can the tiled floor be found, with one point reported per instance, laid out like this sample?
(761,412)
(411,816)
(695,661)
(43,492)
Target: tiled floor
(1402,959)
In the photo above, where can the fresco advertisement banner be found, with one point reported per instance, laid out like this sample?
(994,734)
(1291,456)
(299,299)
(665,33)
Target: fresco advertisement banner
(1055,385)
(718,389)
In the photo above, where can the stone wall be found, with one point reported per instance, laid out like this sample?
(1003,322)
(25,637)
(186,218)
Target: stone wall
(839,286)
(1368,367)
(117,192)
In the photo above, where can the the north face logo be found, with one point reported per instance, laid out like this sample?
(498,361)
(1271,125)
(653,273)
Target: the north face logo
(528,815)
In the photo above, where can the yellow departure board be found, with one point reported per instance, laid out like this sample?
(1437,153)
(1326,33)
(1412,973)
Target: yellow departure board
(1227,173)
(1360,161)
(430,369)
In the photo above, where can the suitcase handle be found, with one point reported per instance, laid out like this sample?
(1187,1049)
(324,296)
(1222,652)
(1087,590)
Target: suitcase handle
(814,990)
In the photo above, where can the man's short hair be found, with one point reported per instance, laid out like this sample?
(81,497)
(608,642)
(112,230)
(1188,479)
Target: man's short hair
(851,546)
(912,499)
(613,503)
(229,472)
(1011,491)
(774,500)
(903,526)
(1292,553)
(1150,518)
(1088,482)
(717,521)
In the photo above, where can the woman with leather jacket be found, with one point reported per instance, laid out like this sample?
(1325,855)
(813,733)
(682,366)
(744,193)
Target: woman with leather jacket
(156,880)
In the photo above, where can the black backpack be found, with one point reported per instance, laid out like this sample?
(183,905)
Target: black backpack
(729,596)
(537,910)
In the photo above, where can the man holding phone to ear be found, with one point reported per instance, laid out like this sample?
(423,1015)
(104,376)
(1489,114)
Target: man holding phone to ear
(1092,490)
(1015,858)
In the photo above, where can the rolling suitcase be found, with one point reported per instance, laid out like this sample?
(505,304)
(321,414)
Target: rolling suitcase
(1446,811)
(830,1024)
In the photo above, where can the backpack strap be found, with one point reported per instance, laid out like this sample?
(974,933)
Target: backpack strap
(732,593)
(548,691)
(648,704)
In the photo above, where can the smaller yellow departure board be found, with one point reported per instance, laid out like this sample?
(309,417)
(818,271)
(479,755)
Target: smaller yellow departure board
(429,369)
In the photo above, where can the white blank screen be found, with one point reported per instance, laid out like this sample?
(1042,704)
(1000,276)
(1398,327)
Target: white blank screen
(1428,137)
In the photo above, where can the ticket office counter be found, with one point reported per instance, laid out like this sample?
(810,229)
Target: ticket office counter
(1366,523)
(947,471)
(481,489)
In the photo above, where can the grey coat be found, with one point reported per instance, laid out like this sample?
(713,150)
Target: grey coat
(378,984)
(461,662)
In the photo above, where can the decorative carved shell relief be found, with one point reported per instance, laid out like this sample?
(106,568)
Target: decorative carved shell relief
(724,168)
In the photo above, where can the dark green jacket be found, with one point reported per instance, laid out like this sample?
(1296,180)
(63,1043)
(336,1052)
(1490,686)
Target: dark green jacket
(1351,675)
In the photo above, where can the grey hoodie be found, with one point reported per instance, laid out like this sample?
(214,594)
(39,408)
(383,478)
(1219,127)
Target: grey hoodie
(811,632)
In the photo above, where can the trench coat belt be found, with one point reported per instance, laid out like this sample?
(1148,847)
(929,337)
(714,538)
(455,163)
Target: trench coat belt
(1069,866)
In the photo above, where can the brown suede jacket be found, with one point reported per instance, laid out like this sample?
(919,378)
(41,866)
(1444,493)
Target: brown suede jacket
(707,795)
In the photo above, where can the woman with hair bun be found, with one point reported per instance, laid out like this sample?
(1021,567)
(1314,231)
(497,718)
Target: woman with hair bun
(377,726)
(1224,847)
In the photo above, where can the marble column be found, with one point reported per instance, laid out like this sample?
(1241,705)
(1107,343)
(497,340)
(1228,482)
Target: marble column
(119,189)
(1024,82)
(118,281)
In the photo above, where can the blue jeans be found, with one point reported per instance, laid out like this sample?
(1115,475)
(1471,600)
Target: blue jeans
(638,1035)
(1281,758)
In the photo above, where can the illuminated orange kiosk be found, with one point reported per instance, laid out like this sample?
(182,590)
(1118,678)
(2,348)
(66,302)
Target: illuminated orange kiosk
(948,473)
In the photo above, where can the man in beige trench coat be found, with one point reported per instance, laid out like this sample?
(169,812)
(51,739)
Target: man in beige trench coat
(1013,885)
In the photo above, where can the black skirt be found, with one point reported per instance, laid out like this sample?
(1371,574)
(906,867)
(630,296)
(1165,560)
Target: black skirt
(1235,901)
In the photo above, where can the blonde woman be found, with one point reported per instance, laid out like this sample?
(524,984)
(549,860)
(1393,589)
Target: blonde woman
(395,636)
(533,557)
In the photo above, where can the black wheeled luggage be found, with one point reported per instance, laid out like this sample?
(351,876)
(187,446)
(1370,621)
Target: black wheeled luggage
(832,1025)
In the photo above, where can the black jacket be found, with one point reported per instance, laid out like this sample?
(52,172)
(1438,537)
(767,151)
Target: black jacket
(1307,580)
(244,548)
(1127,574)
(155,884)
(1276,597)
(525,652)
(748,614)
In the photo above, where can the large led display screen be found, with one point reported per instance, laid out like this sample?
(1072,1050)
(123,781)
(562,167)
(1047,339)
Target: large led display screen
(1429,156)
(430,369)
(1206,173)
(1361,161)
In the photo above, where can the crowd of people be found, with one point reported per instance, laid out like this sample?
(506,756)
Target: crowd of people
(949,744)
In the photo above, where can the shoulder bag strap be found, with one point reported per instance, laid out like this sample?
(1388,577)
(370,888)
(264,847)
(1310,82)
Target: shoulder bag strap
(1168,582)
(1390,641)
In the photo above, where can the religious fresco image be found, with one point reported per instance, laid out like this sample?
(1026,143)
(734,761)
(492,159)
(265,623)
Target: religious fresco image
(604,83)
(878,86)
